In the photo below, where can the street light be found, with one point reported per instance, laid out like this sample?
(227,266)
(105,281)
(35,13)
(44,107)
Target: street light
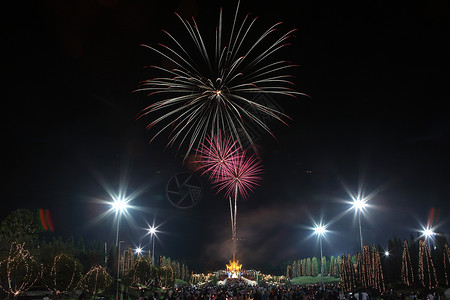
(138,251)
(359,205)
(429,234)
(152,231)
(118,270)
(119,205)
(320,230)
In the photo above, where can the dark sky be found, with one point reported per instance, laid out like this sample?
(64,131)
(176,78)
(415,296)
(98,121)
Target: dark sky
(377,75)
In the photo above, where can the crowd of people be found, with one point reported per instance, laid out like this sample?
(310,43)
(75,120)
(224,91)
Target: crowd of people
(238,290)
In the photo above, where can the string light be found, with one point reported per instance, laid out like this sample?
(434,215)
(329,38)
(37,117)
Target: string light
(141,272)
(407,270)
(425,260)
(347,274)
(21,270)
(446,260)
(366,271)
(96,280)
(63,263)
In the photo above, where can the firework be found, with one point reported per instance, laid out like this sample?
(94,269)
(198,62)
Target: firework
(242,175)
(216,155)
(231,171)
(207,91)
(238,179)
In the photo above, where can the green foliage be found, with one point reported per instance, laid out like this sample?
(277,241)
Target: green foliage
(308,267)
(315,269)
(63,275)
(19,226)
(96,281)
(304,280)
(141,273)
(19,270)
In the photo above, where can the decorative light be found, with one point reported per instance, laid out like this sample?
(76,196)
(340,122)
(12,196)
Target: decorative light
(96,280)
(407,270)
(446,262)
(21,270)
(425,260)
(64,263)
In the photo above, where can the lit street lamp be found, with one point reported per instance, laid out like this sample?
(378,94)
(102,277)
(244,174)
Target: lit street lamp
(138,251)
(429,234)
(152,232)
(320,230)
(359,205)
(119,205)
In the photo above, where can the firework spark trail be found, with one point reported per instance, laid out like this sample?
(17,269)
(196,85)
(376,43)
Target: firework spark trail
(240,178)
(216,155)
(230,170)
(198,102)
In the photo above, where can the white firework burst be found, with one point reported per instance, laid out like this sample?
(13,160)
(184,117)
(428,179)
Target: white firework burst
(216,91)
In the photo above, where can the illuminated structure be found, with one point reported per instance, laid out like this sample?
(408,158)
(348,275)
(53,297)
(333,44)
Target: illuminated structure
(234,268)
(126,260)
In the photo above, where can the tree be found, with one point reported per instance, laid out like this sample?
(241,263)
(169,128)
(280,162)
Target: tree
(333,264)
(326,266)
(308,267)
(347,273)
(96,280)
(166,276)
(314,267)
(426,271)
(407,270)
(141,273)
(63,275)
(19,270)
(289,271)
(20,226)
(446,263)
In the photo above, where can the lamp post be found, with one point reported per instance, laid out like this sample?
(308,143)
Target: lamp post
(359,205)
(119,205)
(320,230)
(152,232)
(118,270)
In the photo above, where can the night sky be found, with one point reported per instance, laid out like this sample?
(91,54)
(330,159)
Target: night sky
(377,119)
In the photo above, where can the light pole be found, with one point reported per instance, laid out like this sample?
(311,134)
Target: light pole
(152,232)
(118,271)
(119,205)
(320,230)
(359,205)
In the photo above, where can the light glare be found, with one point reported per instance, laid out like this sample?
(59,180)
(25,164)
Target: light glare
(359,204)
(119,205)
(319,230)
(428,232)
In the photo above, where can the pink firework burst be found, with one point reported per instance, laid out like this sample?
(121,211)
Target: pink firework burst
(217,154)
(242,175)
